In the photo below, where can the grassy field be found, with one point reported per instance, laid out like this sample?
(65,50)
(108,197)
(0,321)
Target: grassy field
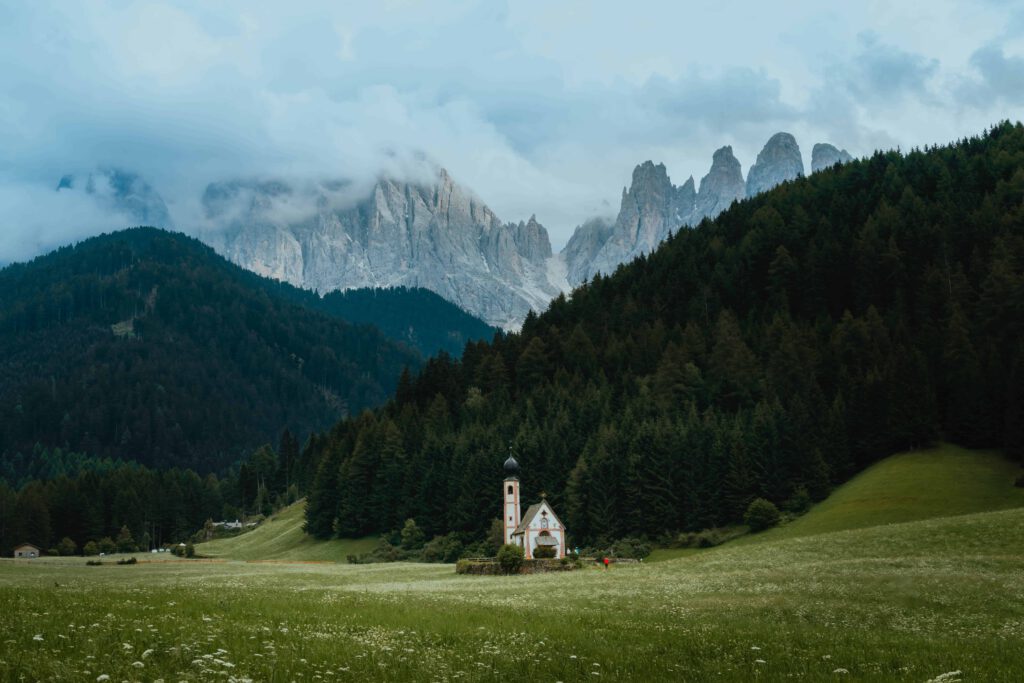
(281,537)
(936,482)
(907,601)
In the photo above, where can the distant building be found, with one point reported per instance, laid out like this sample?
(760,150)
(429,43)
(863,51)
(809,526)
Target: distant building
(539,527)
(26,550)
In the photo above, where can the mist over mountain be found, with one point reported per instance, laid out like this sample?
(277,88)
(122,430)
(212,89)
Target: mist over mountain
(435,235)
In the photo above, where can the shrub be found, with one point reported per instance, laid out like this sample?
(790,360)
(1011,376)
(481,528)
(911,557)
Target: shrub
(128,560)
(107,545)
(190,550)
(66,547)
(412,535)
(1020,482)
(94,563)
(799,502)
(510,558)
(632,548)
(442,549)
(125,542)
(91,549)
(761,514)
(544,552)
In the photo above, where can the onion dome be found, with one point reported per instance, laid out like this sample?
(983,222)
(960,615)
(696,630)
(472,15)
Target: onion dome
(511,467)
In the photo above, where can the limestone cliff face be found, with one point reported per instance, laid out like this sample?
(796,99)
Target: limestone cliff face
(777,162)
(583,246)
(721,186)
(824,155)
(433,235)
(650,209)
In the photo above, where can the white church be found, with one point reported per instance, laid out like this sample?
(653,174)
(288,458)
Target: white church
(539,527)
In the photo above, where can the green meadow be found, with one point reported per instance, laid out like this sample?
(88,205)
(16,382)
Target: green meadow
(907,595)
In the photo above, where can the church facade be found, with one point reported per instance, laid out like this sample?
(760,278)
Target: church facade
(539,527)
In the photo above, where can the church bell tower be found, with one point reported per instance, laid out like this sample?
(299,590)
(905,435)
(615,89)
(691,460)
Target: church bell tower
(510,494)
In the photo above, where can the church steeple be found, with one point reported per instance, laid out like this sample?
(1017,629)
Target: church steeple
(510,494)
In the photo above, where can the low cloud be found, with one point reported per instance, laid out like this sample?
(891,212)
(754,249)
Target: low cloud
(538,108)
(1000,78)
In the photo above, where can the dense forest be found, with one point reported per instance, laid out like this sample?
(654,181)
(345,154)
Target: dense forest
(772,352)
(70,502)
(145,345)
(414,316)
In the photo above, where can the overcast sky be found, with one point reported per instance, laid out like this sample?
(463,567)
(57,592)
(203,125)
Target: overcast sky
(539,106)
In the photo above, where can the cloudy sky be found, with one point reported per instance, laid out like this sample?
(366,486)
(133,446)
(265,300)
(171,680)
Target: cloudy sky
(539,106)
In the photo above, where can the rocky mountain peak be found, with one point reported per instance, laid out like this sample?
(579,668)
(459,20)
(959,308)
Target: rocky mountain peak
(721,186)
(433,234)
(777,162)
(824,155)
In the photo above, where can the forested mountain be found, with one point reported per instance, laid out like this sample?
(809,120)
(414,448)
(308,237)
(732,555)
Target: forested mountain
(799,336)
(145,345)
(414,316)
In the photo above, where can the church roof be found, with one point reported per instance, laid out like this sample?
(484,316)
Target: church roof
(532,512)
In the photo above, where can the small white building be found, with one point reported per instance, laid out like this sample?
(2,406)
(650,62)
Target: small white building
(539,527)
(26,550)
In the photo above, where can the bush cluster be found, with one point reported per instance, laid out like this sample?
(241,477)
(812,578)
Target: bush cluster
(761,514)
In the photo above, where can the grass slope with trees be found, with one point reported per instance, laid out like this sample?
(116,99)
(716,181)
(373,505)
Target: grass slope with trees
(771,353)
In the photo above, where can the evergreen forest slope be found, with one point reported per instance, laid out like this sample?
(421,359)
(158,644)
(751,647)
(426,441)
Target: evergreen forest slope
(145,345)
(793,341)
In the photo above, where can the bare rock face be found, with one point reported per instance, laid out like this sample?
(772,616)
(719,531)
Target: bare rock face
(721,186)
(583,246)
(434,235)
(777,162)
(650,209)
(824,155)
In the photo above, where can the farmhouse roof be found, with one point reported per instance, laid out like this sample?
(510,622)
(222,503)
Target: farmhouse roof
(26,545)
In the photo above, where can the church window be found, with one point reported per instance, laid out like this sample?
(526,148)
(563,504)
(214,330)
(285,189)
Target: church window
(543,522)
(510,489)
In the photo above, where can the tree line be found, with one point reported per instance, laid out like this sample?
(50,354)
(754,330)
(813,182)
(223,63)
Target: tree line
(63,501)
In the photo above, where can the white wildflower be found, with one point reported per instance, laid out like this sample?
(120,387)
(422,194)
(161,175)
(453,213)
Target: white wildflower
(840,671)
(760,661)
(138,665)
(754,647)
(102,677)
(147,653)
(948,677)
(38,636)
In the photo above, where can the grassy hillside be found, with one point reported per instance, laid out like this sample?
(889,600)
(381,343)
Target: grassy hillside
(903,602)
(935,482)
(281,538)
